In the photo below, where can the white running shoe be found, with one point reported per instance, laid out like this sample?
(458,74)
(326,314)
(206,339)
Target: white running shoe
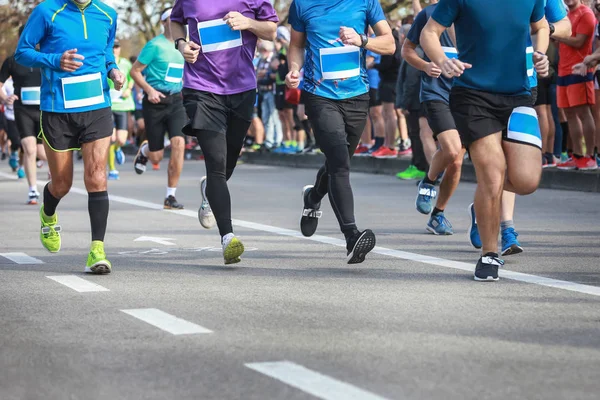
(205,214)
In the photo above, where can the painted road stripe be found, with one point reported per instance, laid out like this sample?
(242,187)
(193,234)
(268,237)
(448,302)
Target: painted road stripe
(438,262)
(78,284)
(166,322)
(311,382)
(21,258)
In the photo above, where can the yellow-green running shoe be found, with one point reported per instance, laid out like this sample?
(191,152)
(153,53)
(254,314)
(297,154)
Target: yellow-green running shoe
(96,261)
(232,249)
(50,232)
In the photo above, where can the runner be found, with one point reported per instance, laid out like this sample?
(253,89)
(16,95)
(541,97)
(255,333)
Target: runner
(123,104)
(75,105)
(7,91)
(492,94)
(219,94)
(560,27)
(336,99)
(162,106)
(435,100)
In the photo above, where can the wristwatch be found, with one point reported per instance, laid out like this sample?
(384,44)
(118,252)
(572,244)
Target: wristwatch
(364,39)
(177,42)
(552,29)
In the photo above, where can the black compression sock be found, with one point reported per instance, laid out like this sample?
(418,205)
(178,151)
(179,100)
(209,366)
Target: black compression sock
(50,202)
(437,211)
(427,180)
(98,210)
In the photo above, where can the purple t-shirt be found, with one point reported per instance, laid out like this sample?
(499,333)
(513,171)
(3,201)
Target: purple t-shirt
(224,65)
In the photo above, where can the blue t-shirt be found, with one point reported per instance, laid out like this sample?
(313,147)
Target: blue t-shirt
(372,73)
(432,89)
(492,36)
(331,69)
(555,11)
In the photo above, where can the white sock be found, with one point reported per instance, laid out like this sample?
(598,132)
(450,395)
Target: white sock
(227,238)
(32,189)
(144,150)
(171,191)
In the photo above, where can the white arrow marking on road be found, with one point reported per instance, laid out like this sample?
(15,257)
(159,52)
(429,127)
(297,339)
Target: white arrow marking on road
(78,284)
(21,258)
(164,241)
(312,382)
(166,322)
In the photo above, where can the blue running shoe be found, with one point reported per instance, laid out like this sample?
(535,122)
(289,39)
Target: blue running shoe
(439,225)
(119,156)
(21,173)
(510,244)
(425,194)
(474,230)
(113,175)
(13,161)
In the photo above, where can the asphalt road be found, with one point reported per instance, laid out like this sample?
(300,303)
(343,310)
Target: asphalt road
(293,321)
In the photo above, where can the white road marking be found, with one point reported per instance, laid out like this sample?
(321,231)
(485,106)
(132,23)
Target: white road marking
(166,322)
(78,284)
(438,262)
(311,382)
(164,241)
(21,258)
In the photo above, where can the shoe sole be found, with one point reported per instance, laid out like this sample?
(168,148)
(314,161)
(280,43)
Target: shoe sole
(514,249)
(207,221)
(365,243)
(384,157)
(172,208)
(488,279)
(138,171)
(235,251)
(50,251)
(100,268)
(32,202)
(431,230)
(470,210)
(305,232)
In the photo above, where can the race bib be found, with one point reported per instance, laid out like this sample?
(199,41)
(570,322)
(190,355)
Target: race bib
(340,62)
(30,96)
(450,52)
(216,35)
(530,61)
(174,73)
(83,91)
(524,127)
(115,96)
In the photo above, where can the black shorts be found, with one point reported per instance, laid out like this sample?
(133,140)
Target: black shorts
(374,99)
(138,114)
(218,113)
(337,122)
(544,97)
(68,131)
(167,116)
(120,119)
(2,122)
(28,120)
(438,116)
(534,96)
(12,131)
(387,92)
(280,102)
(478,114)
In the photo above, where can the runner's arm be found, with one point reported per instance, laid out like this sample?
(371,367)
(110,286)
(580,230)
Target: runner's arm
(108,52)
(576,41)
(266,30)
(383,43)
(416,6)
(178,30)
(296,50)
(34,32)
(562,29)
(4,75)
(430,41)
(542,32)
(410,55)
(138,78)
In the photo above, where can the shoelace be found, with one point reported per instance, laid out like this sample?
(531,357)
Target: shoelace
(509,234)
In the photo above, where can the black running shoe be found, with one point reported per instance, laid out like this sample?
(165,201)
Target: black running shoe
(310,214)
(359,245)
(140,160)
(172,204)
(487,268)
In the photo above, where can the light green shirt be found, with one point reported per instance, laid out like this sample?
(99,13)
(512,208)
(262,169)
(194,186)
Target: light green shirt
(164,71)
(119,103)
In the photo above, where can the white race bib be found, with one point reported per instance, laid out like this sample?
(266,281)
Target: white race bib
(174,73)
(340,62)
(115,96)
(30,96)
(83,91)
(530,68)
(216,35)
(524,127)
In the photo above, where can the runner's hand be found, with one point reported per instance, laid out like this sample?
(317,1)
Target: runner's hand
(433,70)
(126,93)
(118,78)
(10,100)
(237,21)
(190,52)
(292,79)
(590,61)
(580,69)
(541,64)
(454,67)
(154,96)
(69,60)
(350,37)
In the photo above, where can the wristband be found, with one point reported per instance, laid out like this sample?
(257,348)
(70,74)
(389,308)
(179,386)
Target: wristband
(552,29)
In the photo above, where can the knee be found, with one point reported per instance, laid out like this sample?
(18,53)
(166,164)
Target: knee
(456,163)
(94,174)
(526,185)
(60,187)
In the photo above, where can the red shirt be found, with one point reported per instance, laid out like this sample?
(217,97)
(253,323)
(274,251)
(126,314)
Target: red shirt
(583,22)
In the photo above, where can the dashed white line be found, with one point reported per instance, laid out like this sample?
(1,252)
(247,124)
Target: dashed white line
(166,322)
(311,382)
(78,284)
(21,258)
